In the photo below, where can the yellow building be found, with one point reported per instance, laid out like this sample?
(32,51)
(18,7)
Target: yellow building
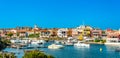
(84,31)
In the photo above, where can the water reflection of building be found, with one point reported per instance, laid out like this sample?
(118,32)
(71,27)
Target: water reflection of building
(111,47)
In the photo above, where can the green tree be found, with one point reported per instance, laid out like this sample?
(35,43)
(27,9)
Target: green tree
(4,43)
(34,35)
(10,34)
(36,54)
(7,55)
(97,40)
(18,34)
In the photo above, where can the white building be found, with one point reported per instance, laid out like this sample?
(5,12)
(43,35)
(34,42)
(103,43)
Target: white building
(13,30)
(62,32)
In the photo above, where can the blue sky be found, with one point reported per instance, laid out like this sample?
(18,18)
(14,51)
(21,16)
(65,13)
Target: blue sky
(60,13)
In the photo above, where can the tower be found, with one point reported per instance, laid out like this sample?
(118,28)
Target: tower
(35,26)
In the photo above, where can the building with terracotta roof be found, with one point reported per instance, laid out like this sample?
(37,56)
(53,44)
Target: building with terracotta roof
(45,33)
(54,32)
(69,32)
(113,33)
(96,33)
(113,36)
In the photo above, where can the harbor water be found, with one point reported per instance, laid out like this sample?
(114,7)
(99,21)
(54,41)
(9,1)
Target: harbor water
(94,51)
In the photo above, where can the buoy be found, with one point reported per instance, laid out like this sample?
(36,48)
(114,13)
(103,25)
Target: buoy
(100,49)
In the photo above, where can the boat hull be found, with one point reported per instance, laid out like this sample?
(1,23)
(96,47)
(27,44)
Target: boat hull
(53,46)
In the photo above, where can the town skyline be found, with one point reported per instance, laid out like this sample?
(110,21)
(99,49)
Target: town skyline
(57,27)
(102,26)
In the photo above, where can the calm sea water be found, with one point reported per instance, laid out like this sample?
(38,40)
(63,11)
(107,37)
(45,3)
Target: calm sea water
(73,52)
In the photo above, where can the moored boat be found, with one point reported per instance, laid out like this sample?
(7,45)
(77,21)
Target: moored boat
(69,41)
(81,44)
(35,42)
(57,42)
(54,46)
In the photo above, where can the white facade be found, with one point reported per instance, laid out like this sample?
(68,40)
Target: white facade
(13,30)
(83,27)
(62,32)
(30,32)
(112,40)
(76,32)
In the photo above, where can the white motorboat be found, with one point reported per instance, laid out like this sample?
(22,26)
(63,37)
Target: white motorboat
(25,41)
(34,42)
(69,42)
(57,42)
(41,41)
(81,44)
(54,46)
(74,40)
(38,42)
(16,41)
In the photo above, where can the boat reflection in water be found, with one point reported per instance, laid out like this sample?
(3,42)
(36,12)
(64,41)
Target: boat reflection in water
(111,47)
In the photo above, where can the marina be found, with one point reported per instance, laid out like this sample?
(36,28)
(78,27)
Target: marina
(95,50)
(80,49)
(60,29)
